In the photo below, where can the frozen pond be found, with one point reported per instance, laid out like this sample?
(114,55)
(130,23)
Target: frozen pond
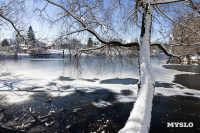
(92,95)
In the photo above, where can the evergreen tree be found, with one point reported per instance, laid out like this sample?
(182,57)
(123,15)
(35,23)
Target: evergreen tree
(31,36)
(90,42)
(5,43)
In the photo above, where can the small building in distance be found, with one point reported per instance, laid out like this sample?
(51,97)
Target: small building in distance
(50,46)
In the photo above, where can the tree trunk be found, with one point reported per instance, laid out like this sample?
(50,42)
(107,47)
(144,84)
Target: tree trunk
(63,53)
(16,50)
(140,117)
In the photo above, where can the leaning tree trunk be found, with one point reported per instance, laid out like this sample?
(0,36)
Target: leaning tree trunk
(16,50)
(140,117)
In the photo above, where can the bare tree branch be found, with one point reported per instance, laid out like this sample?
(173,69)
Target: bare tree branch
(156,2)
(115,42)
(157,8)
(89,49)
(13,25)
(193,6)
(166,52)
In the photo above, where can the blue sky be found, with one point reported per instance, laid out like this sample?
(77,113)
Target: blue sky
(44,30)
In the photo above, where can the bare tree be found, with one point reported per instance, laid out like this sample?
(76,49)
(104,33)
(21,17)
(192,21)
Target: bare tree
(12,13)
(182,34)
(109,21)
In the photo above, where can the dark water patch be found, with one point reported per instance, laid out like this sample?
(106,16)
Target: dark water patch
(126,92)
(165,85)
(102,95)
(75,110)
(30,88)
(175,109)
(81,92)
(62,78)
(66,87)
(89,80)
(125,81)
(185,68)
(188,80)
(52,84)
(5,130)
(2,110)
(188,93)
(40,96)
(159,94)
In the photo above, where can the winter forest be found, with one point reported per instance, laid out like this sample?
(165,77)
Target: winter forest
(100,66)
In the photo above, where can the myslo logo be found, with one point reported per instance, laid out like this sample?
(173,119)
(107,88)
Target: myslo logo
(180,124)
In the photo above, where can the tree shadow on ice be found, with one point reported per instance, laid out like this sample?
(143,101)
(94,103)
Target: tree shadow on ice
(125,81)
(129,81)
(62,78)
(90,80)
(165,85)
(10,83)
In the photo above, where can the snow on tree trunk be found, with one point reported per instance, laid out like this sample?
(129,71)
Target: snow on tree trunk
(140,117)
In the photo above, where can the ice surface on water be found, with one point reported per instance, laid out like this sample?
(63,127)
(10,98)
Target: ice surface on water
(45,75)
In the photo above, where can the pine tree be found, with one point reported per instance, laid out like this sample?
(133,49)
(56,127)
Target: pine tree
(5,43)
(31,36)
(90,42)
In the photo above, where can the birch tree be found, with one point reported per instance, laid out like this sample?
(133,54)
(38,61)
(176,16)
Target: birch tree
(108,21)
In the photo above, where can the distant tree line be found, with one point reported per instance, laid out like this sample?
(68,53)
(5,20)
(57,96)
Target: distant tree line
(5,43)
(186,30)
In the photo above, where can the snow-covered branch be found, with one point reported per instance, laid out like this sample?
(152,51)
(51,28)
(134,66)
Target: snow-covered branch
(90,49)
(117,42)
(194,6)
(160,45)
(77,31)
(81,20)
(156,2)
